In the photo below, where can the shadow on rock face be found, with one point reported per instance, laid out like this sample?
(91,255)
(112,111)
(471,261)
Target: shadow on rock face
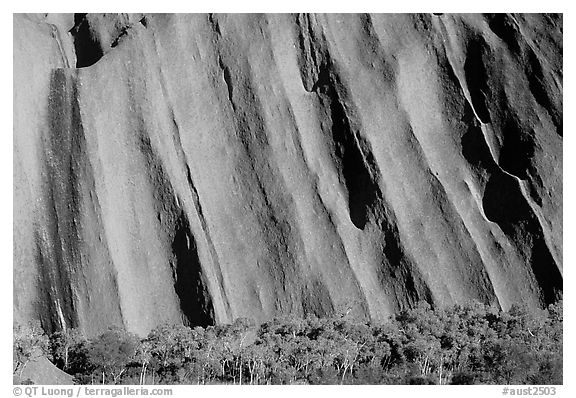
(88,49)
(194,299)
(505,205)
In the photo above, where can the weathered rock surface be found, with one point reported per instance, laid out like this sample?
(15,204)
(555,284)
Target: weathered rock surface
(41,371)
(200,168)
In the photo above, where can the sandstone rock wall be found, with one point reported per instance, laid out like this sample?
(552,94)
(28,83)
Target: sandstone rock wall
(200,168)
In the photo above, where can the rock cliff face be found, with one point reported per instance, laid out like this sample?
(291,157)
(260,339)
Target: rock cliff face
(200,168)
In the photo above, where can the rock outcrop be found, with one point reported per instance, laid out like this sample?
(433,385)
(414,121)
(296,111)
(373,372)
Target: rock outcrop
(41,371)
(201,168)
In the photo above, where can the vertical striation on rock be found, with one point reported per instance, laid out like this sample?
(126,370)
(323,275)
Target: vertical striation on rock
(199,168)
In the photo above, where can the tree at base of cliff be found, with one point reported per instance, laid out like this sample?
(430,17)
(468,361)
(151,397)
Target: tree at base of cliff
(111,352)
(29,343)
(469,344)
(68,349)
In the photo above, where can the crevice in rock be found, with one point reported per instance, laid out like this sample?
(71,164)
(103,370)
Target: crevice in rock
(123,32)
(401,271)
(546,271)
(87,46)
(312,57)
(208,237)
(517,149)
(189,282)
(195,301)
(461,79)
(503,201)
(228,81)
(474,147)
(214,23)
(352,151)
(504,204)
(358,168)
(503,27)
(477,78)
(219,293)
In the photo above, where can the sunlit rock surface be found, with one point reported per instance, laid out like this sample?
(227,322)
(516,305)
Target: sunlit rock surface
(201,168)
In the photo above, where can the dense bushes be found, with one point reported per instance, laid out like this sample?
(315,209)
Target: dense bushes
(472,344)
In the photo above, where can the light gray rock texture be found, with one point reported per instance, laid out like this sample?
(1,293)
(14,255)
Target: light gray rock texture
(200,168)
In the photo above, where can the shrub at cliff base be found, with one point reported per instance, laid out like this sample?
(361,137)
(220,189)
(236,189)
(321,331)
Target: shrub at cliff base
(471,344)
